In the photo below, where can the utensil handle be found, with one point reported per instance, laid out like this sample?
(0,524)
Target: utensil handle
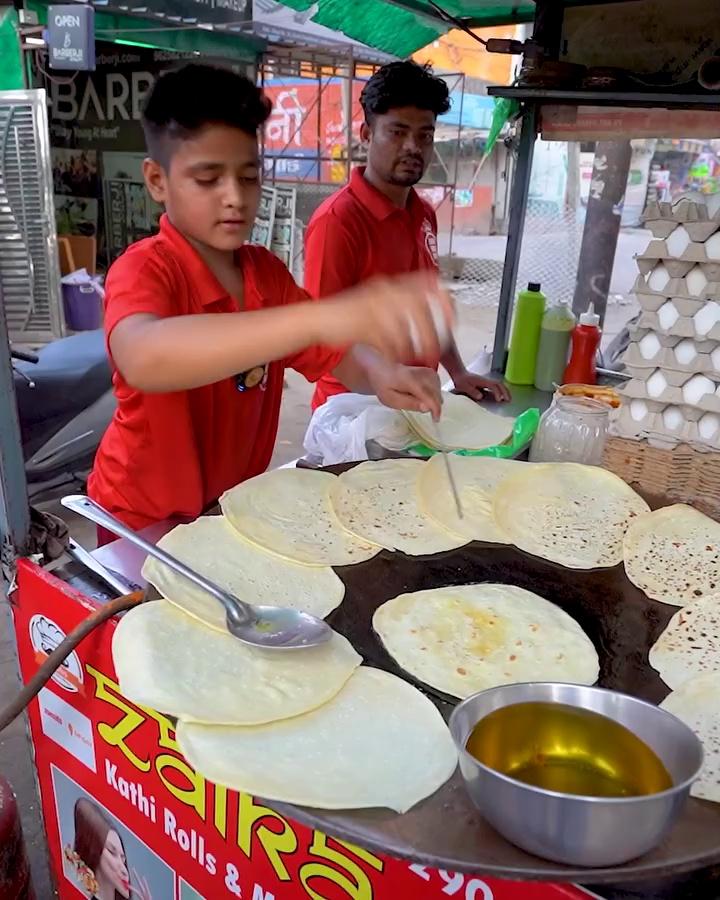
(88,560)
(241,613)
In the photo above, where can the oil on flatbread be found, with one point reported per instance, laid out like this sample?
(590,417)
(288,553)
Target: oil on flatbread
(465,639)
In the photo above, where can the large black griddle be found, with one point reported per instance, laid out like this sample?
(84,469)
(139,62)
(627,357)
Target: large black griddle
(446,831)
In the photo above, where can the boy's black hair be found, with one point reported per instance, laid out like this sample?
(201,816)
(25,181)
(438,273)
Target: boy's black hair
(401,84)
(183,101)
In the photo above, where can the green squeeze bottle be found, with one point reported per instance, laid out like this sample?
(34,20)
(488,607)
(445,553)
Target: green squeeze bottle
(552,357)
(525,338)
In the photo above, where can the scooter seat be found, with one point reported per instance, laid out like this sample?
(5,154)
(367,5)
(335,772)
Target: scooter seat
(71,374)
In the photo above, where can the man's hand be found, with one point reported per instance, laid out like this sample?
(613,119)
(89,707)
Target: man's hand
(407,387)
(476,387)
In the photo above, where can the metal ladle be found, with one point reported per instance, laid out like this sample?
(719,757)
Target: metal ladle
(274,628)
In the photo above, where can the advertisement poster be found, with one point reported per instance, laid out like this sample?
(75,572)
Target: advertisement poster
(306,135)
(130,212)
(262,232)
(77,191)
(126,816)
(283,232)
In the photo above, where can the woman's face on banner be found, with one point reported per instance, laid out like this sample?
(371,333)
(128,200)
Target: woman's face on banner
(113,865)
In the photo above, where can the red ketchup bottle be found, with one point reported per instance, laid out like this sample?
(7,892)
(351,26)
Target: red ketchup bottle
(585,341)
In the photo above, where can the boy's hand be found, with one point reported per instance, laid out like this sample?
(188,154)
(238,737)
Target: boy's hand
(403,319)
(407,387)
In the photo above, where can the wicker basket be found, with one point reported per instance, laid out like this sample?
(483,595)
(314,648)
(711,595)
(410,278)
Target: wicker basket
(681,475)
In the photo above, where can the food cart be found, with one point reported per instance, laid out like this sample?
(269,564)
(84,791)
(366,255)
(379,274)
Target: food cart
(188,838)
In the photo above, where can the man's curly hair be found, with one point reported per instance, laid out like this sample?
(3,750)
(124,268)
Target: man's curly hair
(401,84)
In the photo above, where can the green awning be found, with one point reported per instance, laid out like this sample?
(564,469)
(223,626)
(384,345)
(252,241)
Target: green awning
(401,27)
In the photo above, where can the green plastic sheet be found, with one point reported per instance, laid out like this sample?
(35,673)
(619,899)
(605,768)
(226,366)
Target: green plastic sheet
(524,430)
(11,66)
(400,27)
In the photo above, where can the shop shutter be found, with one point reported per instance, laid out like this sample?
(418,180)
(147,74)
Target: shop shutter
(29,268)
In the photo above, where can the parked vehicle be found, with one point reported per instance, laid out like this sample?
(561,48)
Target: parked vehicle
(65,403)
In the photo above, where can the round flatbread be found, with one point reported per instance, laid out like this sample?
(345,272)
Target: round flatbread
(288,512)
(377,743)
(690,645)
(213,548)
(477,479)
(461,640)
(697,704)
(379,502)
(169,661)
(674,555)
(464,425)
(570,514)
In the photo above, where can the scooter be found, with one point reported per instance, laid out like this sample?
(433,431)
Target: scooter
(65,402)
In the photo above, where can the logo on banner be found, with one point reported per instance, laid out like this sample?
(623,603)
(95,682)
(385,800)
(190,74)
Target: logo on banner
(431,244)
(46,636)
(67,727)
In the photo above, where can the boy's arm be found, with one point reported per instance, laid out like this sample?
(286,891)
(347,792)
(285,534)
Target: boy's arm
(160,355)
(363,371)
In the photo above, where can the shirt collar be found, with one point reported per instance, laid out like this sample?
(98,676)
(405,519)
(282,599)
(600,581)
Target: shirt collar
(208,288)
(377,203)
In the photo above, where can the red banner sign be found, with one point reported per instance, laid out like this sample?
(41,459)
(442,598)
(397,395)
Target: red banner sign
(124,810)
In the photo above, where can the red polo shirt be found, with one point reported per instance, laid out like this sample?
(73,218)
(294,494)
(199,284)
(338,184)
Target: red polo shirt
(172,455)
(357,234)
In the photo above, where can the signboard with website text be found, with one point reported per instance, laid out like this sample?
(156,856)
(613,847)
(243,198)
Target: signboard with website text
(110,770)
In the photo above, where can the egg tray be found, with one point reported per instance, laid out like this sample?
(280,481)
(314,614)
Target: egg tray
(663,218)
(445,831)
(703,364)
(677,287)
(683,327)
(636,389)
(653,428)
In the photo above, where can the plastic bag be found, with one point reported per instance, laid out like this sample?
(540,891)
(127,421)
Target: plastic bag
(340,429)
(524,430)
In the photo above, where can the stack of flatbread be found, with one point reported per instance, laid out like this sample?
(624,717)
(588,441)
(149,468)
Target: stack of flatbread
(464,425)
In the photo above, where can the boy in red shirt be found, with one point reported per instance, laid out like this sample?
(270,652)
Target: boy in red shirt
(378,225)
(200,326)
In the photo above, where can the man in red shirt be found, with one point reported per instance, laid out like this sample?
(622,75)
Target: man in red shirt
(200,326)
(378,225)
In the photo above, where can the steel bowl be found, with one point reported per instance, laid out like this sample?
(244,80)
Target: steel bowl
(596,832)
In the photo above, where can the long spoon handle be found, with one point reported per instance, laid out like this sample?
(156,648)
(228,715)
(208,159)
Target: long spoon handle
(241,613)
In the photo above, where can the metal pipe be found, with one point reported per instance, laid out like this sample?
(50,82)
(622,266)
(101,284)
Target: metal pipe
(516,225)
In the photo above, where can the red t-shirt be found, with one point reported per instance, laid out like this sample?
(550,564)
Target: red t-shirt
(172,455)
(359,233)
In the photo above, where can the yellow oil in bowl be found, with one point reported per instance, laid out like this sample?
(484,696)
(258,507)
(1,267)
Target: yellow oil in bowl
(568,750)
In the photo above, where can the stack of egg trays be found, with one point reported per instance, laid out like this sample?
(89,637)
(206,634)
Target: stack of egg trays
(678,290)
